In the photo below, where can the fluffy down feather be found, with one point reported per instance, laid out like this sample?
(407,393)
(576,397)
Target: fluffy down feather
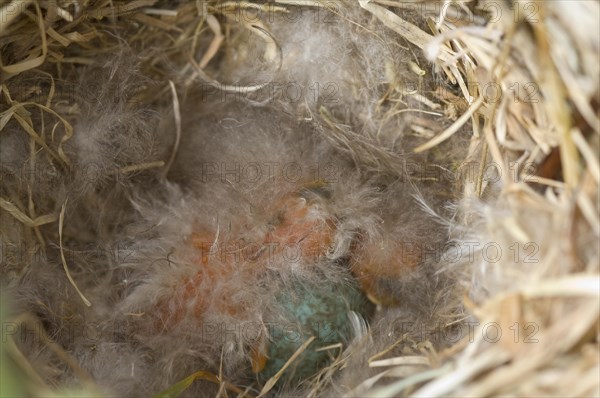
(289,195)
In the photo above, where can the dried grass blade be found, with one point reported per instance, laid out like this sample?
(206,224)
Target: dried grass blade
(450,131)
(273,380)
(34,62)
(23,218)
(407,30)
(62,254)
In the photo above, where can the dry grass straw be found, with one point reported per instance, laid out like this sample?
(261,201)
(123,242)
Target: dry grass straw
(529,84)
(549,100)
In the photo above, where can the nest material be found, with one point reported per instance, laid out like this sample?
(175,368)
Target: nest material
(526,227)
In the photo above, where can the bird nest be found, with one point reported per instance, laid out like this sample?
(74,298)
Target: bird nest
(488,109)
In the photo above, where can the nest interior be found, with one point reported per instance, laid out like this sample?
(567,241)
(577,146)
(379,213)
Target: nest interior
(299,198)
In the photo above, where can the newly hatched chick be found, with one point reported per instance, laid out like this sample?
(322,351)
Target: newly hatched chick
(299,234)
(254,269)
(407,245)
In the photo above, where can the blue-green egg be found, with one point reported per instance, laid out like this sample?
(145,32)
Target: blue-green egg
(308,309)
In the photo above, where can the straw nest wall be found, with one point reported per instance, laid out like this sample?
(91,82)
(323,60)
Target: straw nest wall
(469,127)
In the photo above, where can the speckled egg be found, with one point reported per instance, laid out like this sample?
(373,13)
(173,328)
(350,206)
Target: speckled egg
(308,309)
